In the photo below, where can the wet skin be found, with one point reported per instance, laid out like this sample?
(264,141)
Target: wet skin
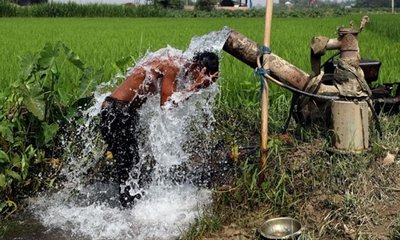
(141,82)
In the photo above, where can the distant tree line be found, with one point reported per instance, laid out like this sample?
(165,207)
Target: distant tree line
(28,2)
(208,5)
(358,3)
(173,4)
(377,3)
(204,5)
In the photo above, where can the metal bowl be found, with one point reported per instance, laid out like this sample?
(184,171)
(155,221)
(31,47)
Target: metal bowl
(281,228)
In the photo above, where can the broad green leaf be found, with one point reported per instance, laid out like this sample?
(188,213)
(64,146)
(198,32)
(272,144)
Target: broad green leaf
(30,151)
(2,204)
(15,160)
(49,131)
(34,101)
(24,166)
(36,106)
(13,174)
(4,157)
(48,55)
(6,131)
(28,63)
(88,82)
(73,58)
(64,96)
(3,182)
(122,64)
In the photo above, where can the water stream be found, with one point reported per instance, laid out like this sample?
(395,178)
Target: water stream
(86,205)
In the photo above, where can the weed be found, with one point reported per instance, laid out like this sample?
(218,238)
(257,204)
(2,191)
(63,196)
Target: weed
(207,223)
(395,230)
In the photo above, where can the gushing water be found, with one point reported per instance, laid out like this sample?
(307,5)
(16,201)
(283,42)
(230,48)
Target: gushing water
(86,205)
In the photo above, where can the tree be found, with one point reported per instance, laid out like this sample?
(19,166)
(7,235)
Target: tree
(227,3)
(29,2)
(205,5)
(300,3)
(173,4)
(376,3)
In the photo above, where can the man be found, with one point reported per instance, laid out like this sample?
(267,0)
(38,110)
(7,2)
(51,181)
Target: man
(164,75)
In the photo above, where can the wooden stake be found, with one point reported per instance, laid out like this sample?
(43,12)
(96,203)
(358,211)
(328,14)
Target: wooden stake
(264,96)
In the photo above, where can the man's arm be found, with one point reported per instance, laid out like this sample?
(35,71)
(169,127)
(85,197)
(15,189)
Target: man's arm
(168,83)
(135,89)
(130,87)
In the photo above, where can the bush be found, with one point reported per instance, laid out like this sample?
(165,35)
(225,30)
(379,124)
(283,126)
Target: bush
(205,5)
(162,8)
(228,3)
(31,116)
(7,9)
(171,4)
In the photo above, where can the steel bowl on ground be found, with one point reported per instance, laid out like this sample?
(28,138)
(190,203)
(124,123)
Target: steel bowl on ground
(281,228)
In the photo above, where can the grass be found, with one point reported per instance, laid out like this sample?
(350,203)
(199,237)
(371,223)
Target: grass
(395,229)
(102,41)
(335,196)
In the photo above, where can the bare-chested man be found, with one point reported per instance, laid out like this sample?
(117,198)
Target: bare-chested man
(119,111)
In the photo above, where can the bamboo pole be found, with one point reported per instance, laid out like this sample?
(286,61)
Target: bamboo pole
(264,96)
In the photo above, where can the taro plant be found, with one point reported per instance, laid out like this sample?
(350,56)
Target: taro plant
(31,115)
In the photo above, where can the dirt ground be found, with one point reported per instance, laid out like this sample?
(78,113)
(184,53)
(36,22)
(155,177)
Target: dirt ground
(342,197)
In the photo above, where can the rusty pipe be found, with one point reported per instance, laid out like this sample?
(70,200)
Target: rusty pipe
(333,44)
(247,51)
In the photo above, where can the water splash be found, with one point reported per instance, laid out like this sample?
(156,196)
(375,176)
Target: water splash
(87,206)
(163,214)
(212,42)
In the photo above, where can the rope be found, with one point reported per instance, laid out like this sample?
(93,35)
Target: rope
(266,73)
(265,50)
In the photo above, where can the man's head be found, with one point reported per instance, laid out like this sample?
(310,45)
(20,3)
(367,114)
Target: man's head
(209,60)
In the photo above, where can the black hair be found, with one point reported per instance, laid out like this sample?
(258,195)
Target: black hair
(209,60)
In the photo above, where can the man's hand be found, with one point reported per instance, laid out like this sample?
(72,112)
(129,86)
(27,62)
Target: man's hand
(203,80)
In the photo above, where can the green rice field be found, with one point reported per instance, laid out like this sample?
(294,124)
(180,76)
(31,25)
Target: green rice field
(100,42)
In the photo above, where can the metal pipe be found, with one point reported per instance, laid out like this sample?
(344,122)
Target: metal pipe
(333,44)
(247,51)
